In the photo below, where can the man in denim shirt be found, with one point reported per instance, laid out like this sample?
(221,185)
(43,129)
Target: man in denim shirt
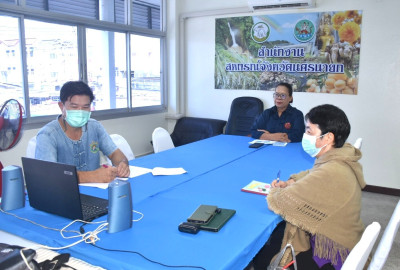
(75,139)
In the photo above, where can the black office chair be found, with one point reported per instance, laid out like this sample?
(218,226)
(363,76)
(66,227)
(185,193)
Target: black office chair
(244,111)
(191,129)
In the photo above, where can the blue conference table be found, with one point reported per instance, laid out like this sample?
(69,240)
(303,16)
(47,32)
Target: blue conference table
(217,168)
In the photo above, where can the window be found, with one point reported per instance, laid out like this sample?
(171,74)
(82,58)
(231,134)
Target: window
(145,70)
(91,40)
(106,54)
(146,14)
(10,65)
(82,8)
(55,60)
(8,1)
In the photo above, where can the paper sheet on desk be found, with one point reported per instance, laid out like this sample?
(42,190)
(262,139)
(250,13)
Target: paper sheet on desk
(279,144)
(135,171)
(167,171)
(262,141)
(274,143)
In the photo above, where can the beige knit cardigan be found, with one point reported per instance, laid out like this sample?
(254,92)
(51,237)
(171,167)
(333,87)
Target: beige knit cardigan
(324,201)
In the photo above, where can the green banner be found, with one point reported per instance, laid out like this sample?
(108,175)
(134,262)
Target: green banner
(315,52)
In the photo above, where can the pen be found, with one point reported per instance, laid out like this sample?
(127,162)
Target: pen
(278,176)
(289,264)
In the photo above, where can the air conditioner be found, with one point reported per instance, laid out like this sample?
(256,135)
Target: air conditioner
(256,5)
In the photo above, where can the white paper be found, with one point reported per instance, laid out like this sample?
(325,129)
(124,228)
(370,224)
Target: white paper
(100,185)
(167,171)
(134,171)
(262,141)
(279,144)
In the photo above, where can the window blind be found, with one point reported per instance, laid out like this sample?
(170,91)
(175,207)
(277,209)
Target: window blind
(82,8)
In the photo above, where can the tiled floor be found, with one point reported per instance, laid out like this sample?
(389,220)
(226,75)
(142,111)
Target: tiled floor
(378,207)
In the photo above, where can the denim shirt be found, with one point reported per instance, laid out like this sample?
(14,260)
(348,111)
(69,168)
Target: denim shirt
(291,122)
(52,144)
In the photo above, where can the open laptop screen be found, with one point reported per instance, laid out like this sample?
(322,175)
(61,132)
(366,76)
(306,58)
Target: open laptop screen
(53,187)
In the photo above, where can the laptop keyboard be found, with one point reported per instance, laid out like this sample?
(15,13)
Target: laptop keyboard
(93,207)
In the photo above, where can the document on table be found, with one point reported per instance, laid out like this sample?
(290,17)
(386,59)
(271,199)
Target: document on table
(137,171)
(262,141)
(279,144)
(274,143)
(134,171)
(167,171)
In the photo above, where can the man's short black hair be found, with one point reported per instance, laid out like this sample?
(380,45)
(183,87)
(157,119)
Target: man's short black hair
(73,88)
(330,118)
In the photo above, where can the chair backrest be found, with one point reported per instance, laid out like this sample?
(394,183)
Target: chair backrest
(243,113)
(161,140)
(359,254)
(192,129)
(31,148)
(122,145)
(358,143)
(386,242)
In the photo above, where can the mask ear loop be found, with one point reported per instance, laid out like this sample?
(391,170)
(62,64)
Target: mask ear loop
(325,144)
(65,123)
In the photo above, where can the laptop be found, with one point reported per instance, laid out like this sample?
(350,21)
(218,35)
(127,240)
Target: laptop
(53,188)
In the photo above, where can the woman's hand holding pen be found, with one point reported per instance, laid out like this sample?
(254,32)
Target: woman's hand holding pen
(282,184)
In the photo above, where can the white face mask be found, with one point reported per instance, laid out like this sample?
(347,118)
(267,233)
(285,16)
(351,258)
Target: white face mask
(308,143)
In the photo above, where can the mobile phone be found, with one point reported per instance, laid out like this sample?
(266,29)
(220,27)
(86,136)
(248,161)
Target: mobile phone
(203,214)
(256,145)
(218,221)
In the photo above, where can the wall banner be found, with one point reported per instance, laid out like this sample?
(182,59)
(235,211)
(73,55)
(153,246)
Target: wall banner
(315,52)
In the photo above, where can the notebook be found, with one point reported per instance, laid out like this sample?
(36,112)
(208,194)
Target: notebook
(257,187)
(218,220)
(53,188)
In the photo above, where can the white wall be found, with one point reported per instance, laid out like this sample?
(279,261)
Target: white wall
(372,113)
(136,130)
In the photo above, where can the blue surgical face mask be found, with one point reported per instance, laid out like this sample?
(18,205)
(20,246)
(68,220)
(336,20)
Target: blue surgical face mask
(77,118)
(308,143)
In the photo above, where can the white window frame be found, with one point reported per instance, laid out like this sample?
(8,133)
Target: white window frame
(21,12)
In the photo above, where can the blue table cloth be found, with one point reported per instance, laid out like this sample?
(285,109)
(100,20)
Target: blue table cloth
(218,168)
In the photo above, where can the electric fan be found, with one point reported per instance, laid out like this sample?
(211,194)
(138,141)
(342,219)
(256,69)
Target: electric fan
(11,114)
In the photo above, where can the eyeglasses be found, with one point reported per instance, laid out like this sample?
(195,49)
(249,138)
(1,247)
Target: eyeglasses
(280,96)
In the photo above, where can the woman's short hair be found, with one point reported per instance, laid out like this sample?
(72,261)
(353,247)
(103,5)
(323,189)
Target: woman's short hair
(289,88)
(330,118)
(73,88)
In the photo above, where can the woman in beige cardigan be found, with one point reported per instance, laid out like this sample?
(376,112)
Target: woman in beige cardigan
(322,206)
